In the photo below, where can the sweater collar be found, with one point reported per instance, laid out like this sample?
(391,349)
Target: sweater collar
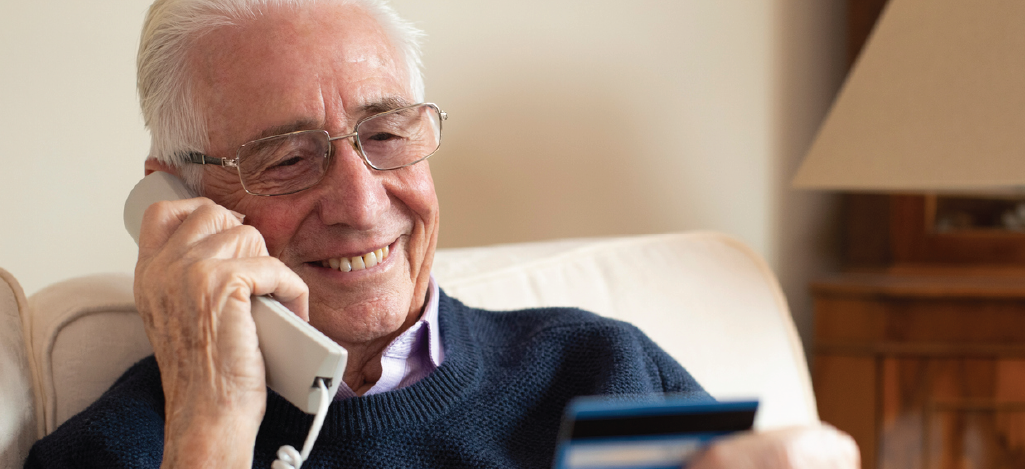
(428,399)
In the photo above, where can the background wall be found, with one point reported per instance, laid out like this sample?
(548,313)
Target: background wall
(72,136)
(567,119)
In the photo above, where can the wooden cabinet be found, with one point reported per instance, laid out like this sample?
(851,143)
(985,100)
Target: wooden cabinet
(919,348)
(925,368)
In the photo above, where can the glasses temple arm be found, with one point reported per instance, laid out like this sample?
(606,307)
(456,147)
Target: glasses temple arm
(199,158)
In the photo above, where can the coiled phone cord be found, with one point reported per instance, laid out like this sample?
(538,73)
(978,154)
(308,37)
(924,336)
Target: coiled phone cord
(288,457)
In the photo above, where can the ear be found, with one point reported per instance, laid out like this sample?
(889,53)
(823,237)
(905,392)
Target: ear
(153,164)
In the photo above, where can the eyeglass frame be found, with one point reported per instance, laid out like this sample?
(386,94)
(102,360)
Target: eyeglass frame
(204,159)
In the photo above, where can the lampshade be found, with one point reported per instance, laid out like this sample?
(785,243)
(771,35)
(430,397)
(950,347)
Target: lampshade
(935,102)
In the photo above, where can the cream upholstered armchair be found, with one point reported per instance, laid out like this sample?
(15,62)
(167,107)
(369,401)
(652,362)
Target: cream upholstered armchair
(705,298)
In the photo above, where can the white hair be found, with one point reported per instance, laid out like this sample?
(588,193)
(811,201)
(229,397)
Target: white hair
(172,27)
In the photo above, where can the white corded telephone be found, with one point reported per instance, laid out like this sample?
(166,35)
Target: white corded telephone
(298,357)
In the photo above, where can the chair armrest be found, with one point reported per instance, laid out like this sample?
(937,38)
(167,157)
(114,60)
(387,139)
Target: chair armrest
(19,422)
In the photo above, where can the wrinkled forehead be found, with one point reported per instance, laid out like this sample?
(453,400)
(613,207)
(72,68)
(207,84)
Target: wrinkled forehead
(320,64)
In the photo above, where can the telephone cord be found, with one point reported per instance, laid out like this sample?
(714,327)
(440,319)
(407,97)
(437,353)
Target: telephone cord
(288,457)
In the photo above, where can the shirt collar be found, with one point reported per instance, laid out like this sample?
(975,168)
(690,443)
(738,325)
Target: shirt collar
(430,318)
(400,358)
(406,344)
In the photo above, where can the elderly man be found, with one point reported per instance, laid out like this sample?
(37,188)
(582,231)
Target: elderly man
(284,116)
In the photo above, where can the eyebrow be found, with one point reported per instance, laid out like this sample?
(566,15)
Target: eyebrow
(369,109)
(383,105)
(304,124)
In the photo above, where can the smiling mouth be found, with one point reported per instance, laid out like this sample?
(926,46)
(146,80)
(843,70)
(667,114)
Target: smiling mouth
(350,264)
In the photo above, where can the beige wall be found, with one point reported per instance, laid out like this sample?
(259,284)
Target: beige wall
(567,119)
(809,66)
(584,118)
(621,118)
(72,136)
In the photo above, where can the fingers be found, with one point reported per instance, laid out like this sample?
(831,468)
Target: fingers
(820,447)
(824,447)
(259,276)
(185,221)
(179,239)
(162,219)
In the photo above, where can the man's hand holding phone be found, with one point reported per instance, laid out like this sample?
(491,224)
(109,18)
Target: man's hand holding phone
(198,269)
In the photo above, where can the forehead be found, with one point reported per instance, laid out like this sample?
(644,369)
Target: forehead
(319,66)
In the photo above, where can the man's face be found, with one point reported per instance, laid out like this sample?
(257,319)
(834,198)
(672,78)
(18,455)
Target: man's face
(323,67)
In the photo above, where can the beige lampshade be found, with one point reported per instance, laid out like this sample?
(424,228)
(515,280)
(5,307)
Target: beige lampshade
(935,102)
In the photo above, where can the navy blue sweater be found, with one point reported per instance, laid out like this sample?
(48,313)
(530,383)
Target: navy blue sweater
(496,401)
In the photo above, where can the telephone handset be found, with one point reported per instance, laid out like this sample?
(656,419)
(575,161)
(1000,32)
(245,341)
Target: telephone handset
(295,353)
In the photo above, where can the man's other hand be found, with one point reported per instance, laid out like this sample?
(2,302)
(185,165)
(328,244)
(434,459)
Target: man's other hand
(822,447)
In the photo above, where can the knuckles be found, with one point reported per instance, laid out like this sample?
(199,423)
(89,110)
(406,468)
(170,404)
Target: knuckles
(217,281)
(247,241)
(189,263)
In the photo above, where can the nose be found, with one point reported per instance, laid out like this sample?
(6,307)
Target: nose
(352,193)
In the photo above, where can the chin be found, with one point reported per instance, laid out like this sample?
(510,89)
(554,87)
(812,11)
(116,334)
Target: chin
(360,320)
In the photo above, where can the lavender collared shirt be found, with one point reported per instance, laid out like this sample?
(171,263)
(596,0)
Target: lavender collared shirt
(413,355)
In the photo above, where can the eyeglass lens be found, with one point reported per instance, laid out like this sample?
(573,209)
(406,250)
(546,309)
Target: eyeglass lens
(289,163)
(400,138)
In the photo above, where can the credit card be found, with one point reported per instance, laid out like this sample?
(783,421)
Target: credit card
(647,433)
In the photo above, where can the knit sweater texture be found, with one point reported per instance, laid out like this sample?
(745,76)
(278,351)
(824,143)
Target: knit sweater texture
(496,401)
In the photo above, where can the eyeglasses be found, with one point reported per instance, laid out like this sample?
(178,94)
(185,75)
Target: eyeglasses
(288,163)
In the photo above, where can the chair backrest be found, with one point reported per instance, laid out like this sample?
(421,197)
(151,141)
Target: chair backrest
(85,333)
(705,298)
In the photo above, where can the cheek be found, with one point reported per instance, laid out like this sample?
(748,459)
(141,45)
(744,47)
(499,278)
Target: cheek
(223,187)
(420,196)
(276,222)
(422,202)
(271,218)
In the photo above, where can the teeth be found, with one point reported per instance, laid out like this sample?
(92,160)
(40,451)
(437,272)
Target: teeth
(366,261)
